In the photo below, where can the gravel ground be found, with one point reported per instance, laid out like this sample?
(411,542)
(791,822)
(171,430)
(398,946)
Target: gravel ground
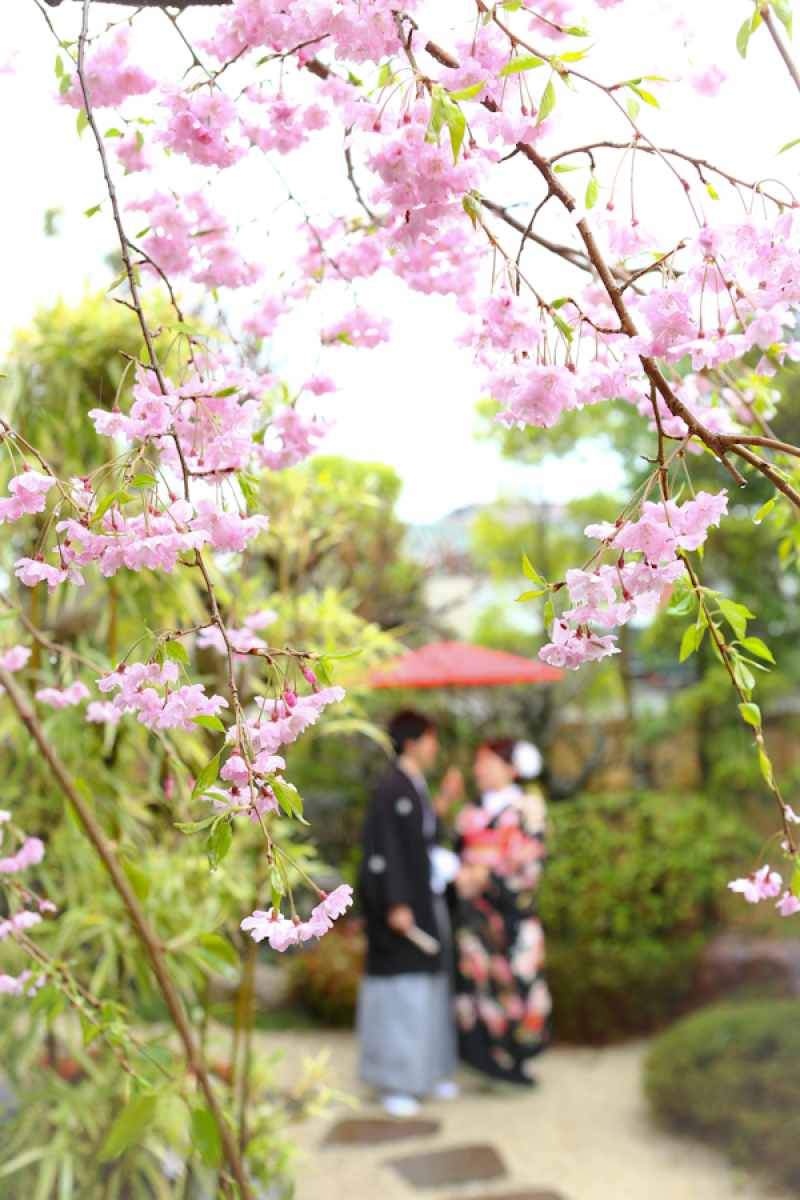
(584,1133)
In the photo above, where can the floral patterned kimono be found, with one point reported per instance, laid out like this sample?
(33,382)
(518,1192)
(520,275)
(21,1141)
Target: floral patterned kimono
(502,1000)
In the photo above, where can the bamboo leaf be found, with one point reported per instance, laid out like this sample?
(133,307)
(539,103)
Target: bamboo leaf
(128,1126)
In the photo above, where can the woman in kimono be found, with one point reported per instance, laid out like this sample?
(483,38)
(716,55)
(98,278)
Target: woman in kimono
(502,1000)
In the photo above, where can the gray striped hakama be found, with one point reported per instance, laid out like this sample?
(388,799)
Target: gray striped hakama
(406,1034)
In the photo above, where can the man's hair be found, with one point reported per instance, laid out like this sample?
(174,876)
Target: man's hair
(407,726)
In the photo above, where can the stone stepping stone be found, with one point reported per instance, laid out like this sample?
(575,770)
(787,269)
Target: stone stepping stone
(462,1164)
(362,1131)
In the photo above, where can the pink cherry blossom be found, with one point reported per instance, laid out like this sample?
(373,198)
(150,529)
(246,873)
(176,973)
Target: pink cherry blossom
(134,153)
(110,78)
(761,885)
(20,920)
(336,903)
(708,82)
(65,698)
(28,495)
(788,904)
(30,854)
(197,127)
(15,658)
(358,328)
(103,713)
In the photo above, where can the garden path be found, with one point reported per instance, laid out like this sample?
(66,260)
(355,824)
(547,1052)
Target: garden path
(584,1133)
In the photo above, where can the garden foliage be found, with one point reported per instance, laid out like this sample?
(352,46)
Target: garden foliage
(729,1075)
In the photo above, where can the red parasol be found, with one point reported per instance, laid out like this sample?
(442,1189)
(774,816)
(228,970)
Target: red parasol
(457,664)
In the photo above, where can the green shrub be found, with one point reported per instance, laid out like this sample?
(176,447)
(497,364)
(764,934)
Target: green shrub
(729,1074)
(324,978)
(629,895)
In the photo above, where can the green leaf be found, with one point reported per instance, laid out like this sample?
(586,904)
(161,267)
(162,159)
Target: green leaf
(183,327)
(289,800)
(143,481)
(743,675)
(218,844)
(471,203)
(176,651)
(766,766)
(794,887)
(547,102)
(767,508)
(632,107)
(562,170)
(457,125)
(196,826)
(138,881)
(783,12)
(81,121)
(529,571)
(384,75)
(591,193)
(736,615)
(206,1137)
(523,62)
(648,97)
(549,613)
(563,326)
(228,391)
(572,56)
(59,66)
(789,146)
(468,93)
(754,645)
(577,31)
(113,132)
(25,1159)
(712,192)
(90,212)
(322,672)
(208,723)
(743,37)
(751,713)
(221,947)
(530,595)
(207,777)
(131,1122)
(688,642)
(438,116)
(64,84)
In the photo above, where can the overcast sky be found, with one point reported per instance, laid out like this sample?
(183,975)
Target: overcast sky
(408,403)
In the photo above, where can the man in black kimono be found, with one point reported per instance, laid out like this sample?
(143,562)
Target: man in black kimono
(406,1032)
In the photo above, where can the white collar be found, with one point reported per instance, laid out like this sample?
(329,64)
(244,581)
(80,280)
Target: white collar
(495,802)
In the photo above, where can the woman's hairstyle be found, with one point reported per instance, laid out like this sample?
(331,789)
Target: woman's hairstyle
(407,726)
(524,757)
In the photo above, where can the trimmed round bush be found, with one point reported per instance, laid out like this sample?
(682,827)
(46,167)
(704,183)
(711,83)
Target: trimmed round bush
(629,896)
(729,1075)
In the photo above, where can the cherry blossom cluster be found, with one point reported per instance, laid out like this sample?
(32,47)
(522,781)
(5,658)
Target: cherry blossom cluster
(137,687)
(198,125)
(110,77)
(29,853)
(614,593)
(187,238)
(281,932)
(243,640)
(766,885)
